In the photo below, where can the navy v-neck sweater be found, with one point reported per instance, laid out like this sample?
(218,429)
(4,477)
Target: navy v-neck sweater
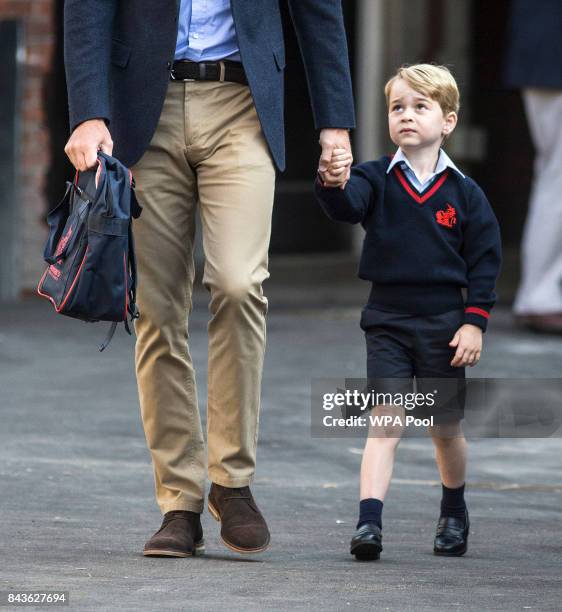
(421,249)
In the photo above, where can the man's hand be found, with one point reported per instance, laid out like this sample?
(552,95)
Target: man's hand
(339,166)
(85,142)
(330,139)
(468,340)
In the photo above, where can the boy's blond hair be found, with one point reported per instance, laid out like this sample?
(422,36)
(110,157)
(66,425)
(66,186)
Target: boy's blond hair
(435,82)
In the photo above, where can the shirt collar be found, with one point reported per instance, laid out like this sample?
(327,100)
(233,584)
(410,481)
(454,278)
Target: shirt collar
(443,162)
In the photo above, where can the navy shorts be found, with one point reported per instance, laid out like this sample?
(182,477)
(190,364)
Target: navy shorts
(405,346)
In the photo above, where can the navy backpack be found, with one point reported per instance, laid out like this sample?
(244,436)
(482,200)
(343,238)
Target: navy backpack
(92,272)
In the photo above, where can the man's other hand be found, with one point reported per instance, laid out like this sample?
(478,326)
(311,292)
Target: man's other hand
(85,142)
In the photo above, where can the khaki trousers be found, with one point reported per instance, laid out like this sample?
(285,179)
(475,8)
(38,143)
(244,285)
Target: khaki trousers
(208,152)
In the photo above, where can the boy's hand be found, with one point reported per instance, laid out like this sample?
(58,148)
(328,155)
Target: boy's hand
(337,172)
(330,139)
(468,340)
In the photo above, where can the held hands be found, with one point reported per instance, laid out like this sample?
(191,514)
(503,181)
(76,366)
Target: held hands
(338,170)
(468,340)
(85,142)
(335,149)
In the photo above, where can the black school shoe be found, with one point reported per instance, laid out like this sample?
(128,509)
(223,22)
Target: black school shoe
(451,538)
(366,544)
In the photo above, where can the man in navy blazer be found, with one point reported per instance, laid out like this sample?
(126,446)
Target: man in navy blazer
(189,94)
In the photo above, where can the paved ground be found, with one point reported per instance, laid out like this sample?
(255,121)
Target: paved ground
(76,482)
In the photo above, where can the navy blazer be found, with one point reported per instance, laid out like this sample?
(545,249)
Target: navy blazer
(118,56)
(534,55)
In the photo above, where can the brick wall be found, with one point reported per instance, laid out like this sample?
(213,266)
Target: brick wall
(39,39)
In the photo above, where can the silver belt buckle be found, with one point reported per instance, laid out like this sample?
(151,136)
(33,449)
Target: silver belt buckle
(174,78)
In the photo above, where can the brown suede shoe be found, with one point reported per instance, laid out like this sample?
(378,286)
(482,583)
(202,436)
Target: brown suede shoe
(181,535)
(243,528)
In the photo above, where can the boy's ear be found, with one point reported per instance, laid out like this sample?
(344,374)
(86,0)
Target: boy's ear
(450,123)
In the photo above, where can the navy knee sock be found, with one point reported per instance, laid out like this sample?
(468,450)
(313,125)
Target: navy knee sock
(452,502)
(370,511)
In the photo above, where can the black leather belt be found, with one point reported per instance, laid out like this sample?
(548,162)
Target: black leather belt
(225,70)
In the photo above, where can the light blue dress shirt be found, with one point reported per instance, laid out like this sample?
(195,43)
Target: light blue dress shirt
(206,31)
(443,161)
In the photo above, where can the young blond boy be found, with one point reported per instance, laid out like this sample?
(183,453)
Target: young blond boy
(430,232)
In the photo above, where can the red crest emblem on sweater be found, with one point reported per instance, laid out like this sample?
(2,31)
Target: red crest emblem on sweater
(447,217)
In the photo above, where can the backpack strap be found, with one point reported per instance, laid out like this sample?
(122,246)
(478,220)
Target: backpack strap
(133,270)
(134,312)
(109,336)
(136,208)
(132,309)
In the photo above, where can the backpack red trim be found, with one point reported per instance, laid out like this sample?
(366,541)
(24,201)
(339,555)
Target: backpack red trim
(59,308)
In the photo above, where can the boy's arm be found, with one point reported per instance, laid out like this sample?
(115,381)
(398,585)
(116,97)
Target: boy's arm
(350,204)
(482,253)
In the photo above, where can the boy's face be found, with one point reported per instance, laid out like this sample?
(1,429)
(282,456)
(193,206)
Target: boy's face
(414,120)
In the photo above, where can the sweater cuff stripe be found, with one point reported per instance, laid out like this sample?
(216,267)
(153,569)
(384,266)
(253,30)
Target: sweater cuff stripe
(478,311)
